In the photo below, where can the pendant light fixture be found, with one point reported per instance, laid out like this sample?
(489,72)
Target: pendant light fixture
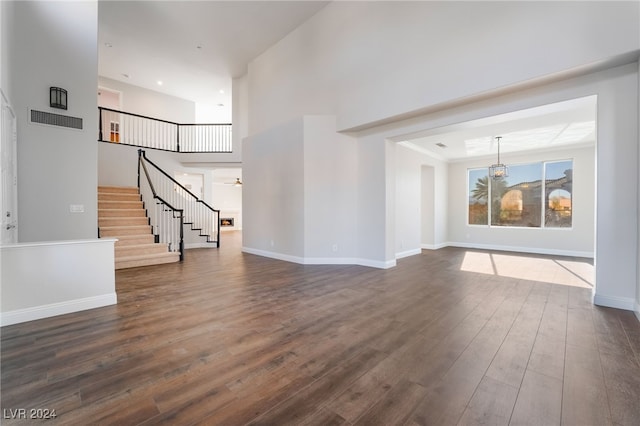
(498,170)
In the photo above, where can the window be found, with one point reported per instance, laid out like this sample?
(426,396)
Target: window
(558,187)
(532,192)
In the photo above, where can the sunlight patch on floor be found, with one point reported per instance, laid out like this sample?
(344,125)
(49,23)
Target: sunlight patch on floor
(554,271)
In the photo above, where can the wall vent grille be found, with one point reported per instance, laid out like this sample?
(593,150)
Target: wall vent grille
(42,117)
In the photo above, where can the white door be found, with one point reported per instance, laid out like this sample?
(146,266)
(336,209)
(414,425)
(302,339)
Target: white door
(8,175)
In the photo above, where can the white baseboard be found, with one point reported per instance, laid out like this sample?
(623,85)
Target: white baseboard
(519,249)
(408,253)
(188,246)
(54,309)
(434,246)
(625,303)
(637,310)
(321,260)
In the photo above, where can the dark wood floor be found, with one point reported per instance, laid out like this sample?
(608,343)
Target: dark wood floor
(229,338)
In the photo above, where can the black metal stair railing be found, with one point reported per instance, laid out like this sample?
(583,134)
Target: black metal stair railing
(197,214)
(167,221)
(138,130)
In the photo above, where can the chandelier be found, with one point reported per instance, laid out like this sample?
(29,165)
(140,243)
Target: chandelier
(498,170)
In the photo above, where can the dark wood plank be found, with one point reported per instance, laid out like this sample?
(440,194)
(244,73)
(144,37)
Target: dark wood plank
(230,338)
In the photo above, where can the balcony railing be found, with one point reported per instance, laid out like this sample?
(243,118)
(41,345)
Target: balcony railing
(138,130)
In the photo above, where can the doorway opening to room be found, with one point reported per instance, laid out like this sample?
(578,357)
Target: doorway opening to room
(544,206)
(112,99)
(227,195)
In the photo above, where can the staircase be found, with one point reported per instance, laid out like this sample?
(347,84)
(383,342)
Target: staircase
(122,215)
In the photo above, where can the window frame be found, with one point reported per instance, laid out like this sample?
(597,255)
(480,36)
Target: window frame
(543,204)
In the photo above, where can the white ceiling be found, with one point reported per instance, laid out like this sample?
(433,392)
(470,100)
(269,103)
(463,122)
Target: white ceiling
(151,41)
(546,127)
(196,48)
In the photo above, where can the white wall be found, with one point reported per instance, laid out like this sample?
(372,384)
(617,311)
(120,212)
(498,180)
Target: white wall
(6,11)
(330,173)
(427,207)
(416,203)
(41,280)
(212,113)
(299,181)
(240,115)
(637,307)
(150,103)
(273,191)
(577,241)
(56,166)
(368,62)
(372,202)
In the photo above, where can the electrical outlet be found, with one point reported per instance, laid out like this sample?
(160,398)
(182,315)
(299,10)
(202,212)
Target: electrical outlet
(334,247)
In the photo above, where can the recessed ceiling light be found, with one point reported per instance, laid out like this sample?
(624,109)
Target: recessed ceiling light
(198,47)
(125,75)
(221,91)
(108,44)
(441,145)
(220,105)
(159,82)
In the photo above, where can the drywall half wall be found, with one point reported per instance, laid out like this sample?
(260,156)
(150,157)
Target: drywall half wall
(57,166)
(41,280)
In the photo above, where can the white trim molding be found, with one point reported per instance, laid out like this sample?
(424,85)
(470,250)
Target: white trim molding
(321,260)
(625,303)
(55,309)
(519,249)
(408,253)
(434,246)
(188,246)
(637,310)
(51,278)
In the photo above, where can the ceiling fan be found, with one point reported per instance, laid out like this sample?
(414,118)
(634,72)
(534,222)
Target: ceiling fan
(238,182)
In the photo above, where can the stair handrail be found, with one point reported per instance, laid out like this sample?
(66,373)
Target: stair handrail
(222,130)
(166,203)
(142,155)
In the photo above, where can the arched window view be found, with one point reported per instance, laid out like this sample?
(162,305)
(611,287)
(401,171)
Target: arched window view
(530,192)
(558,189)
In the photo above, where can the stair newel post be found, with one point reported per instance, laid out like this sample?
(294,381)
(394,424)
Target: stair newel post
(217,215)
(181,234)
(140,154)
(99,123)
(178,137)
